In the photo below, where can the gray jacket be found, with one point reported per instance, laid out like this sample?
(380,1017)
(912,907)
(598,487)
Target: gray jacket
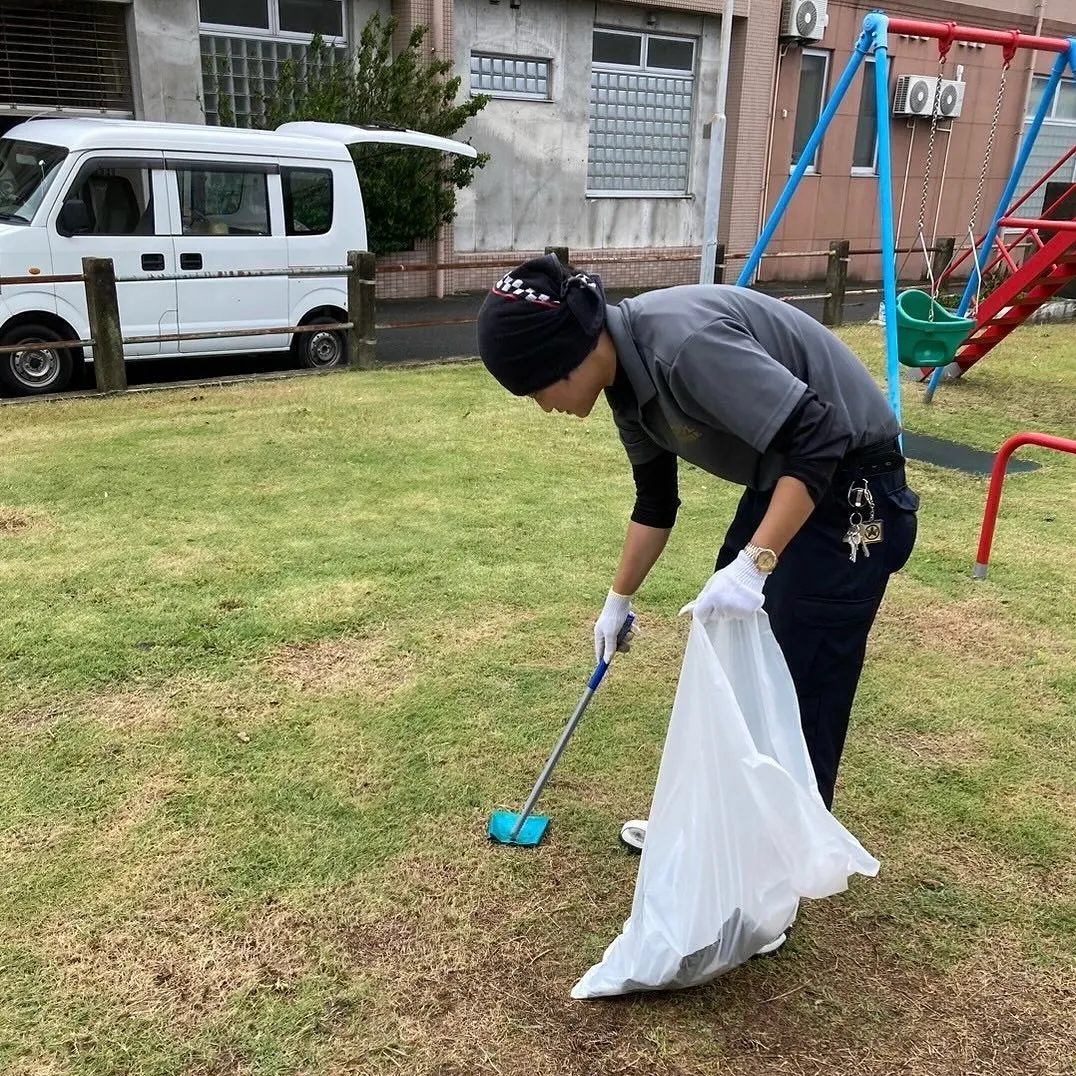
(716,370)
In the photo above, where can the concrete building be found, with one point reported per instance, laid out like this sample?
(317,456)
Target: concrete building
(576,162)
(157,59)
(599,120)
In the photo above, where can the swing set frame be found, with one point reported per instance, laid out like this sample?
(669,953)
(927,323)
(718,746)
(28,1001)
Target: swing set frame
(874,40)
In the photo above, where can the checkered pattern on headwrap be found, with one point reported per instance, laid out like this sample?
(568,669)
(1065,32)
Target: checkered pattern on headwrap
(538,323)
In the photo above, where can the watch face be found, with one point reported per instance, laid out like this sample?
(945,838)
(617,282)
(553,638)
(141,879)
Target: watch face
(766,560)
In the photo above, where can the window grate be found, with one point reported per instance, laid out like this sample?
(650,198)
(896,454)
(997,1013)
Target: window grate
(69,54)
(509,76)
(244,71)
(640,132)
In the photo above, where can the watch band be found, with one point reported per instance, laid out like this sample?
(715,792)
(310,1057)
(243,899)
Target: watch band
(765,560)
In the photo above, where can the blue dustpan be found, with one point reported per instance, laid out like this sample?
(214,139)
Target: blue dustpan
(503,828)
(525,829)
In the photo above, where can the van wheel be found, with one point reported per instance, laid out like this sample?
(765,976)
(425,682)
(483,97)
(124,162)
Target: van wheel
(323,349)
(40,367)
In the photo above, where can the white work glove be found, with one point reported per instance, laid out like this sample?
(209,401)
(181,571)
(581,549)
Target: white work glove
(734,591)
(613,614)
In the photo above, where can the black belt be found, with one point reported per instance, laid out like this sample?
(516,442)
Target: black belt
(880,458)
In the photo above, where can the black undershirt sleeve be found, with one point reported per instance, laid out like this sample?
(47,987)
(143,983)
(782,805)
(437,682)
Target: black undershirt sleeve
(813,442)
(656,492)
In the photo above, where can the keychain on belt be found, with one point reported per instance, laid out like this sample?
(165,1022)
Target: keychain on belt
(862,533)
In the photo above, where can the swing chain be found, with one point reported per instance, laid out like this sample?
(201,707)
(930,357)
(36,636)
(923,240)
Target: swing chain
(989,148)
(934,116)
(1010,52)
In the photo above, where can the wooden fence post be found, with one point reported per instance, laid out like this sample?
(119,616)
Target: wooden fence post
(943,255)
(719,264)
(362,309)
(562,253)
(836,282)
(103,307)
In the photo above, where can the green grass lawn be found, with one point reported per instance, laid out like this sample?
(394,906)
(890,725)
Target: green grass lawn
(270,654)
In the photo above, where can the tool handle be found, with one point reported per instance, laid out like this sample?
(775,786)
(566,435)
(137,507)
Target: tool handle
(566,735)
(603,666)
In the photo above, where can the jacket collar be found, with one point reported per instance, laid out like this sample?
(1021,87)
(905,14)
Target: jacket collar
(627,354)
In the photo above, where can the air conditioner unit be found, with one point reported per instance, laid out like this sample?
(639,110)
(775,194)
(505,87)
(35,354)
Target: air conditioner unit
(952,99)
(804,20)
(915,97)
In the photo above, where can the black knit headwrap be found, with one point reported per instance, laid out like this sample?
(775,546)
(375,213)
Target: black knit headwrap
(538,323)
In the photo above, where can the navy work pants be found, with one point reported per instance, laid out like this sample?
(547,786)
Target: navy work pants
(822,606)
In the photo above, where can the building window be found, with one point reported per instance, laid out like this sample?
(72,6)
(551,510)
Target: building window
(273,17)
(814,73)
(641,94)
(1062,108)
(865,151)
(1055,139)
(72,55)
(510,76)
(244,42)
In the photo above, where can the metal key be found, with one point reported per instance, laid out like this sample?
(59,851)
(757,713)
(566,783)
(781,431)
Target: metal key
(854,540)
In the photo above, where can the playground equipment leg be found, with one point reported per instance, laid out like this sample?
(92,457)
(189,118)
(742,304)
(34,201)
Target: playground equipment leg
(997,480)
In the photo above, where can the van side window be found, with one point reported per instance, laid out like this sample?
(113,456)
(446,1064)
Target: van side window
(118,200)
(223,203)
(308,200)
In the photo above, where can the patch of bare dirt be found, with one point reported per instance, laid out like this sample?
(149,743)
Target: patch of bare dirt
(152,710)
(476,629)
(970,628)
(173,964)
(134,709)
(370,667)
(470,963)
(959,747)
(37,1067)
(12,521)
(458,961)
(138,709)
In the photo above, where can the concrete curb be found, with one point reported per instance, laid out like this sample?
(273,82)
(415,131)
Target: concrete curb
(1058,310)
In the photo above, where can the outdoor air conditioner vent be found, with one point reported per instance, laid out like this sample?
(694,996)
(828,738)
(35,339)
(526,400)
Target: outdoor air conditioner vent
(804,20)
(952,99)
(915,97)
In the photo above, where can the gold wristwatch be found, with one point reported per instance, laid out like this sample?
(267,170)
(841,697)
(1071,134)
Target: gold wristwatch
(764,560)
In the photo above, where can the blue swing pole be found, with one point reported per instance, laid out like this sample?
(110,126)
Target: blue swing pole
(863,46)
(1027,144)
(878,26)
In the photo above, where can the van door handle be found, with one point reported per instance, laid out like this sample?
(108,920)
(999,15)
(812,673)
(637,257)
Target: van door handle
(153,263)
(190,261)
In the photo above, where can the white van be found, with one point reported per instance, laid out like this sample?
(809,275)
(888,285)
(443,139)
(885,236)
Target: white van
(169,204)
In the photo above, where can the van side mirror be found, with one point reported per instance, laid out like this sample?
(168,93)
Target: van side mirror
(74,218)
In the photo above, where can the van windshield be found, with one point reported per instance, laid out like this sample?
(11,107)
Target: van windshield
(27,170)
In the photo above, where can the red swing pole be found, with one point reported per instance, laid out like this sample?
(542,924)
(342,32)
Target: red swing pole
(1012,38)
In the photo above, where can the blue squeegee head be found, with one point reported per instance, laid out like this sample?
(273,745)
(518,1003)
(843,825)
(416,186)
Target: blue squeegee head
(502,823)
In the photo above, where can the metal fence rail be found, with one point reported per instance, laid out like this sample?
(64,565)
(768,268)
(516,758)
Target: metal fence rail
(227,274)
(98,277)
(361,327)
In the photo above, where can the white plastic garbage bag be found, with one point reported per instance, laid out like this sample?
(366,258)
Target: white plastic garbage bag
(738,832)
